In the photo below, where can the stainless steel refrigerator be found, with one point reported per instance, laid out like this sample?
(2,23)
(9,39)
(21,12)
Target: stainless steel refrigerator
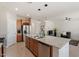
(26,31)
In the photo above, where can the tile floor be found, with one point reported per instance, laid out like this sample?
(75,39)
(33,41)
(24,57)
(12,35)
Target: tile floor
(19,50)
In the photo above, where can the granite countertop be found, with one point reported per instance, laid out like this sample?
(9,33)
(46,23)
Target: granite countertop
(53,41)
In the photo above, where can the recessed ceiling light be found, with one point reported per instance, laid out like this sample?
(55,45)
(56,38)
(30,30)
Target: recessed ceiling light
(28,15)
(46,5)
(16,9)
(39,9)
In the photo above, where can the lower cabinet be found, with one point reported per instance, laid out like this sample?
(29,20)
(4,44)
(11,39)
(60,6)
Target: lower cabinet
(44,50)
(37,48)
(19,38)
(33,46)
(27,42)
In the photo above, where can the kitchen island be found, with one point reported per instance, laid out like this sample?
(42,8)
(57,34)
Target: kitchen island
(48,46)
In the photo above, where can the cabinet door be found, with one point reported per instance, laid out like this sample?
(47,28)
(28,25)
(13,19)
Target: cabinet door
(35,47)
(19,23)
(26,21)
(31,44)
(44,50)
(19,38)
(27,42)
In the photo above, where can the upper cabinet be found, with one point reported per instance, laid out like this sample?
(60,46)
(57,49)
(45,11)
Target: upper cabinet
(19,23)
(22,21)
(26,21)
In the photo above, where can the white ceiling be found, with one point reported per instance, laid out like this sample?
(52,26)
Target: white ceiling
(53,10)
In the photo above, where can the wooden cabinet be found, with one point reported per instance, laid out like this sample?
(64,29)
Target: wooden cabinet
(44,50)
(35,47)
(19,37)
(19,23)
(39,49)
(19,26)
(27,41)
(32,45)
(19,30)
(26,21)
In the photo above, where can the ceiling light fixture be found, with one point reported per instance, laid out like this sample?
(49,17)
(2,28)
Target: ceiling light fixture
(27,14)
(16,9)
(39,9)
(46,5)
